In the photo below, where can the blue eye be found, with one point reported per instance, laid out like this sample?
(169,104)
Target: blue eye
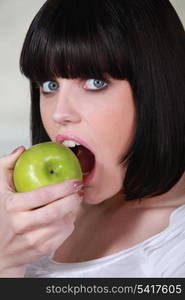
(50,86)
(95,84)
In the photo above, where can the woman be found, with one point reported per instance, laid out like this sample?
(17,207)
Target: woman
(108,75)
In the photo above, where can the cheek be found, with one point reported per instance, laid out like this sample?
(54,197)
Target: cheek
(115,129)
(46,113)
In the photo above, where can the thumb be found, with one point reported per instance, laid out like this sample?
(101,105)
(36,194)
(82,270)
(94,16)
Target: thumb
(7,164)
(8,161)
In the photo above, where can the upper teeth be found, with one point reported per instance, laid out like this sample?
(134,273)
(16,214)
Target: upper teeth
(70,143)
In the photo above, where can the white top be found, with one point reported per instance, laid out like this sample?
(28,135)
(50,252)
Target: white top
(162,255)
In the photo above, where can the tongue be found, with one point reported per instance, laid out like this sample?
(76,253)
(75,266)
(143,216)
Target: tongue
(86,159)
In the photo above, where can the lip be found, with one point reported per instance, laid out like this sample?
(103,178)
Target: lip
(61,137)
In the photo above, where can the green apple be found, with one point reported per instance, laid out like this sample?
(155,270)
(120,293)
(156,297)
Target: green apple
(43,164)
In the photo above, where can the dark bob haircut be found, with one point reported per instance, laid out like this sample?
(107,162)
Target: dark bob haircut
(142,41)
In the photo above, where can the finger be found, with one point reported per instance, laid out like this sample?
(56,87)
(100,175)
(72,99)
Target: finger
(54,211)
(7,164)
(43,196)
(45,240)
(47,215)
(32,245)
(53,239)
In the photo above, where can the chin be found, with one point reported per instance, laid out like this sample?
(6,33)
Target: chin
(94,196)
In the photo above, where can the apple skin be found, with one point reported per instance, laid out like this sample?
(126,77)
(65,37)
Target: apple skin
(44,164)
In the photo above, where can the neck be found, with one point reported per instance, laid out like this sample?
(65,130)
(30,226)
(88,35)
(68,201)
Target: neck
(173,198)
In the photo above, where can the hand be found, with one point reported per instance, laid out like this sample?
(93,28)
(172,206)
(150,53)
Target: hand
(35,223)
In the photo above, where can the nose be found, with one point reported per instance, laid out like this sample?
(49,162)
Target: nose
(66,110)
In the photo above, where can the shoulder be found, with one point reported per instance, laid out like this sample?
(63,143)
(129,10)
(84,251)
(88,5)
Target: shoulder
(167,252)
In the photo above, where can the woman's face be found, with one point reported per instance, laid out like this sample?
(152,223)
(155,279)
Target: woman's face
(98,113)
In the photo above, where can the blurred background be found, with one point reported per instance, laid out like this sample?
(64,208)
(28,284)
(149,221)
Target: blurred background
(15,18)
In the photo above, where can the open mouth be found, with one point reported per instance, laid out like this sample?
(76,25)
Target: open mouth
(85,157)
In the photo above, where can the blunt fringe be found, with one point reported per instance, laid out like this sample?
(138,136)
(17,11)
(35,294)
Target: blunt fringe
(139,41)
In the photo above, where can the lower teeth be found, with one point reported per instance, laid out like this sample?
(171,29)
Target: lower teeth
(85,174)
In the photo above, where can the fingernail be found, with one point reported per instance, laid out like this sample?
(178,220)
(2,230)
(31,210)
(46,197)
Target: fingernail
(81,193)
(16,149)
(78,185)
